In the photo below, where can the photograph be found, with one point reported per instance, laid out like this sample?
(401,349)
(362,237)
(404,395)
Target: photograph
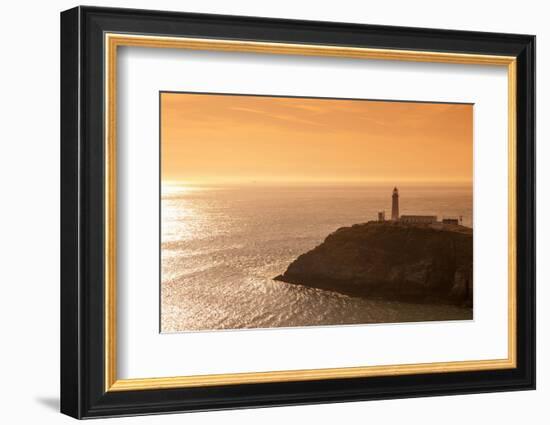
(282,210)
(285,211)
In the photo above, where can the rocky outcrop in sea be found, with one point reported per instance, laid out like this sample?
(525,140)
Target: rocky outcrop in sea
(389,260)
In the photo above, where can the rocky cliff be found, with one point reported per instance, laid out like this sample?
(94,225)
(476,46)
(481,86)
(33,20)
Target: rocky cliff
(416,263)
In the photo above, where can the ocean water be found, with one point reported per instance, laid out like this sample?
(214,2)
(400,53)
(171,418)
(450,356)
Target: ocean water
(222,246)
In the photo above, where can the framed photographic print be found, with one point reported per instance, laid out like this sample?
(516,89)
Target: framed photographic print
(261,212)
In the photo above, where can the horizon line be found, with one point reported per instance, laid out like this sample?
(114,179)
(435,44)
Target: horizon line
(314,182)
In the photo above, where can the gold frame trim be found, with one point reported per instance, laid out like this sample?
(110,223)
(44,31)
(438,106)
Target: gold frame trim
(113,41)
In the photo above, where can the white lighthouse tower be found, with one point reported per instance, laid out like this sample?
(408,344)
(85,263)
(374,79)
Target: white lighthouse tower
(395,205)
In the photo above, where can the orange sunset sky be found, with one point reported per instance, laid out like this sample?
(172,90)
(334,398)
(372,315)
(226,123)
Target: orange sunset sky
(216,139)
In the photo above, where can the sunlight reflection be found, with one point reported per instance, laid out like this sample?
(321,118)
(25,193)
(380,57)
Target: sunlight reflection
(169,188)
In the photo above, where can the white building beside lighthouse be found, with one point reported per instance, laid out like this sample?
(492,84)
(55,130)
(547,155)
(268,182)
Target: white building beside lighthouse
(413,219)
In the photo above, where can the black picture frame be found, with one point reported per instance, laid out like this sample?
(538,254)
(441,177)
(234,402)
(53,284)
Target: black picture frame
(83,392)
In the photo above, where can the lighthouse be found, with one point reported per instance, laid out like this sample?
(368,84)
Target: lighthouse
(395,205)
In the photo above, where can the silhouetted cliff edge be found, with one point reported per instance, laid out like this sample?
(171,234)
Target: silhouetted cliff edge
(403,262)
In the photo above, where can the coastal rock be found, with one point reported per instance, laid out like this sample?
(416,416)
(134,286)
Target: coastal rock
(391,260)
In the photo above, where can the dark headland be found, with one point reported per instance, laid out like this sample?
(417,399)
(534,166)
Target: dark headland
(425,263)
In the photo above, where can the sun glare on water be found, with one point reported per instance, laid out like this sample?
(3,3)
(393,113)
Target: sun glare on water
(177,188)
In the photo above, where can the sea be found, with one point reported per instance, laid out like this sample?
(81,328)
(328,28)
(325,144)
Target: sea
(221,247)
